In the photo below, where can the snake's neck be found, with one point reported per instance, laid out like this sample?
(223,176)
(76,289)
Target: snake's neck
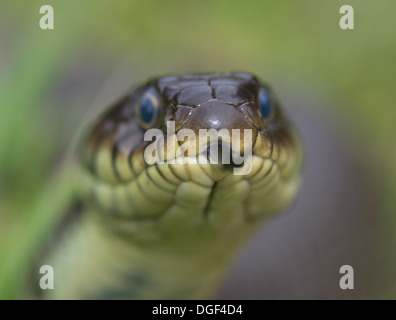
(182,254)
(98,262)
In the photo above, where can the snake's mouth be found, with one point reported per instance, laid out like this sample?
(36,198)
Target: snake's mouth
(221,153)
(224,157)
(132,188)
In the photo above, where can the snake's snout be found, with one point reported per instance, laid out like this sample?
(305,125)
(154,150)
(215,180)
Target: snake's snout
(217,119)
(217,114)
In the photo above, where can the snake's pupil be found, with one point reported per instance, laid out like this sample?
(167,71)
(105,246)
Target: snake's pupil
(265,103)
(146,110)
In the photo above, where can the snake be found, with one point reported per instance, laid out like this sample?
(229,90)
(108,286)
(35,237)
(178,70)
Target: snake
(172,230)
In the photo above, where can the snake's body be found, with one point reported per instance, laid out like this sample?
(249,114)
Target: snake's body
(170,230)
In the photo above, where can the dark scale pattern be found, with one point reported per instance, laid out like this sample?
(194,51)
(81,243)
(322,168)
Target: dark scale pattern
(215,100)
(196,89)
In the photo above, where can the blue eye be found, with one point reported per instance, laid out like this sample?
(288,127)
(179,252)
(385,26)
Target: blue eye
(265,102)
(149,108)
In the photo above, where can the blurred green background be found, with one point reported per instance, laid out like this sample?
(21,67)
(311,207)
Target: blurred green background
(52,82)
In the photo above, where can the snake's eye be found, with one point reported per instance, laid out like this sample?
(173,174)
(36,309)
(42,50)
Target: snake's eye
(148,109)
(265,103)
